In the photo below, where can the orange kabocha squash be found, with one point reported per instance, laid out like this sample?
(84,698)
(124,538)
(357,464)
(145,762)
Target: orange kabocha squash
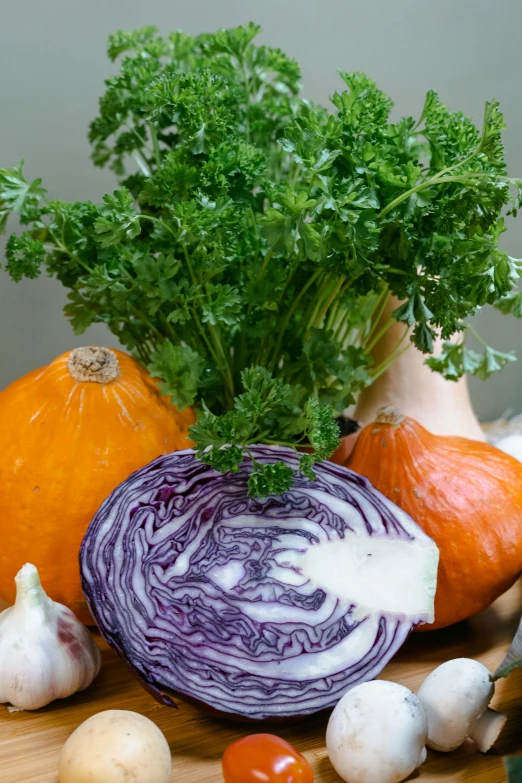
(464,494)
(69,433)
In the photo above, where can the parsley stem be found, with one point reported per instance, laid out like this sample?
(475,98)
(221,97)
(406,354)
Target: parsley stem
(227,372)
(426,184)
(327,291)
(206,341)
(342,328)
(341,314)
(252,216)
(392,358)
(333,294)
(377,314)
(368,345)
(155,144)
(288,316)
(264,265)
(241,62)
(216,338)
(157,220)
(260,274)
(189,265)
(476,335)
(472,155)
(333,315)
(213,353)
(141,140)
(218,342)
(278,443)
(64,249)
(141,163)
(457,165)
(141,353)
(141,315)
(169,328)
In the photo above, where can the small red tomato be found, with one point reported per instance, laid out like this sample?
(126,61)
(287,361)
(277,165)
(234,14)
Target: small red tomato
(265,758)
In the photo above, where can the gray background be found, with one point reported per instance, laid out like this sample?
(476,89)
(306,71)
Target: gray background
(52,66)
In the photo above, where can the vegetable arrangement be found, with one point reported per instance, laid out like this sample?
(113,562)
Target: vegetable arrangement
(256,608)
(249,252)
(464,494)
(69,433)
(268,262)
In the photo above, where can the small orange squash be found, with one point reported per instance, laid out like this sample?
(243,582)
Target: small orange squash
(69,434)
(464,494)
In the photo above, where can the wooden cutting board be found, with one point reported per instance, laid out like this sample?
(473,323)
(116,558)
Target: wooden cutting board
(30,742)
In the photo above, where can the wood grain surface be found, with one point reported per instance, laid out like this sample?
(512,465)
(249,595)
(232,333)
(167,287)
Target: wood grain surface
(30,742)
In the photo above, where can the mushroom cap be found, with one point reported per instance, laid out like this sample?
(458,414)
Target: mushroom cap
(377,733)
(454,696)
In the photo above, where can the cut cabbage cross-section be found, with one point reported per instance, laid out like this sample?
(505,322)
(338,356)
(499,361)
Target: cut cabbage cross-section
(256,608)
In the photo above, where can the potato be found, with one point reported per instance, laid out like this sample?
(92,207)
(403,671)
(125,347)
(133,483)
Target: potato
(116,746)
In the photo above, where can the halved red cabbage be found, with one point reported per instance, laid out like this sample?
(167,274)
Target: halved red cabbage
(257,608)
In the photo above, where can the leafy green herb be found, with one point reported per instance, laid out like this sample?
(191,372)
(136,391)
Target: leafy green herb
(248,253)
(456,359)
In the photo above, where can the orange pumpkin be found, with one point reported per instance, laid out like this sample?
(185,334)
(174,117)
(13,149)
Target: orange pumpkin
(69,433)
(464,494)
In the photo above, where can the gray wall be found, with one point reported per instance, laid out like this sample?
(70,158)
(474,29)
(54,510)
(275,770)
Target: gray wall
(52,66)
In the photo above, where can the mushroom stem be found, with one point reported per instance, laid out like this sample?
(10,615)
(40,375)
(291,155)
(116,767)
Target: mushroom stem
(487,729)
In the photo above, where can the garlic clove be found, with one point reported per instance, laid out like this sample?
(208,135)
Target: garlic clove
(46,652)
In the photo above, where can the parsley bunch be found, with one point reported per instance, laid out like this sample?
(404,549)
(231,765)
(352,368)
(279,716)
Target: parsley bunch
(248,255)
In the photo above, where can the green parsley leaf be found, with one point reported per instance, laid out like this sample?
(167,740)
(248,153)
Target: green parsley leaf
(322,429)
(511,304)
(180,369)
(225,459)
(270,479)
(80,315)
(118,220)
(454,361)
(222,306)
(17,194)
(493,361)
(25,256)
(306,462)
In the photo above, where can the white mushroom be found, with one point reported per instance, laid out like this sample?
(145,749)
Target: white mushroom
(456,696)
(377,733)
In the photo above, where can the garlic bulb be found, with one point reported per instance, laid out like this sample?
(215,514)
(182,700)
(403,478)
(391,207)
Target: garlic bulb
(45,652)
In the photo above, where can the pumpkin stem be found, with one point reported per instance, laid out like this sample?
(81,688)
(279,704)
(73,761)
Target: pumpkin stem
(389,415)
(92,364)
